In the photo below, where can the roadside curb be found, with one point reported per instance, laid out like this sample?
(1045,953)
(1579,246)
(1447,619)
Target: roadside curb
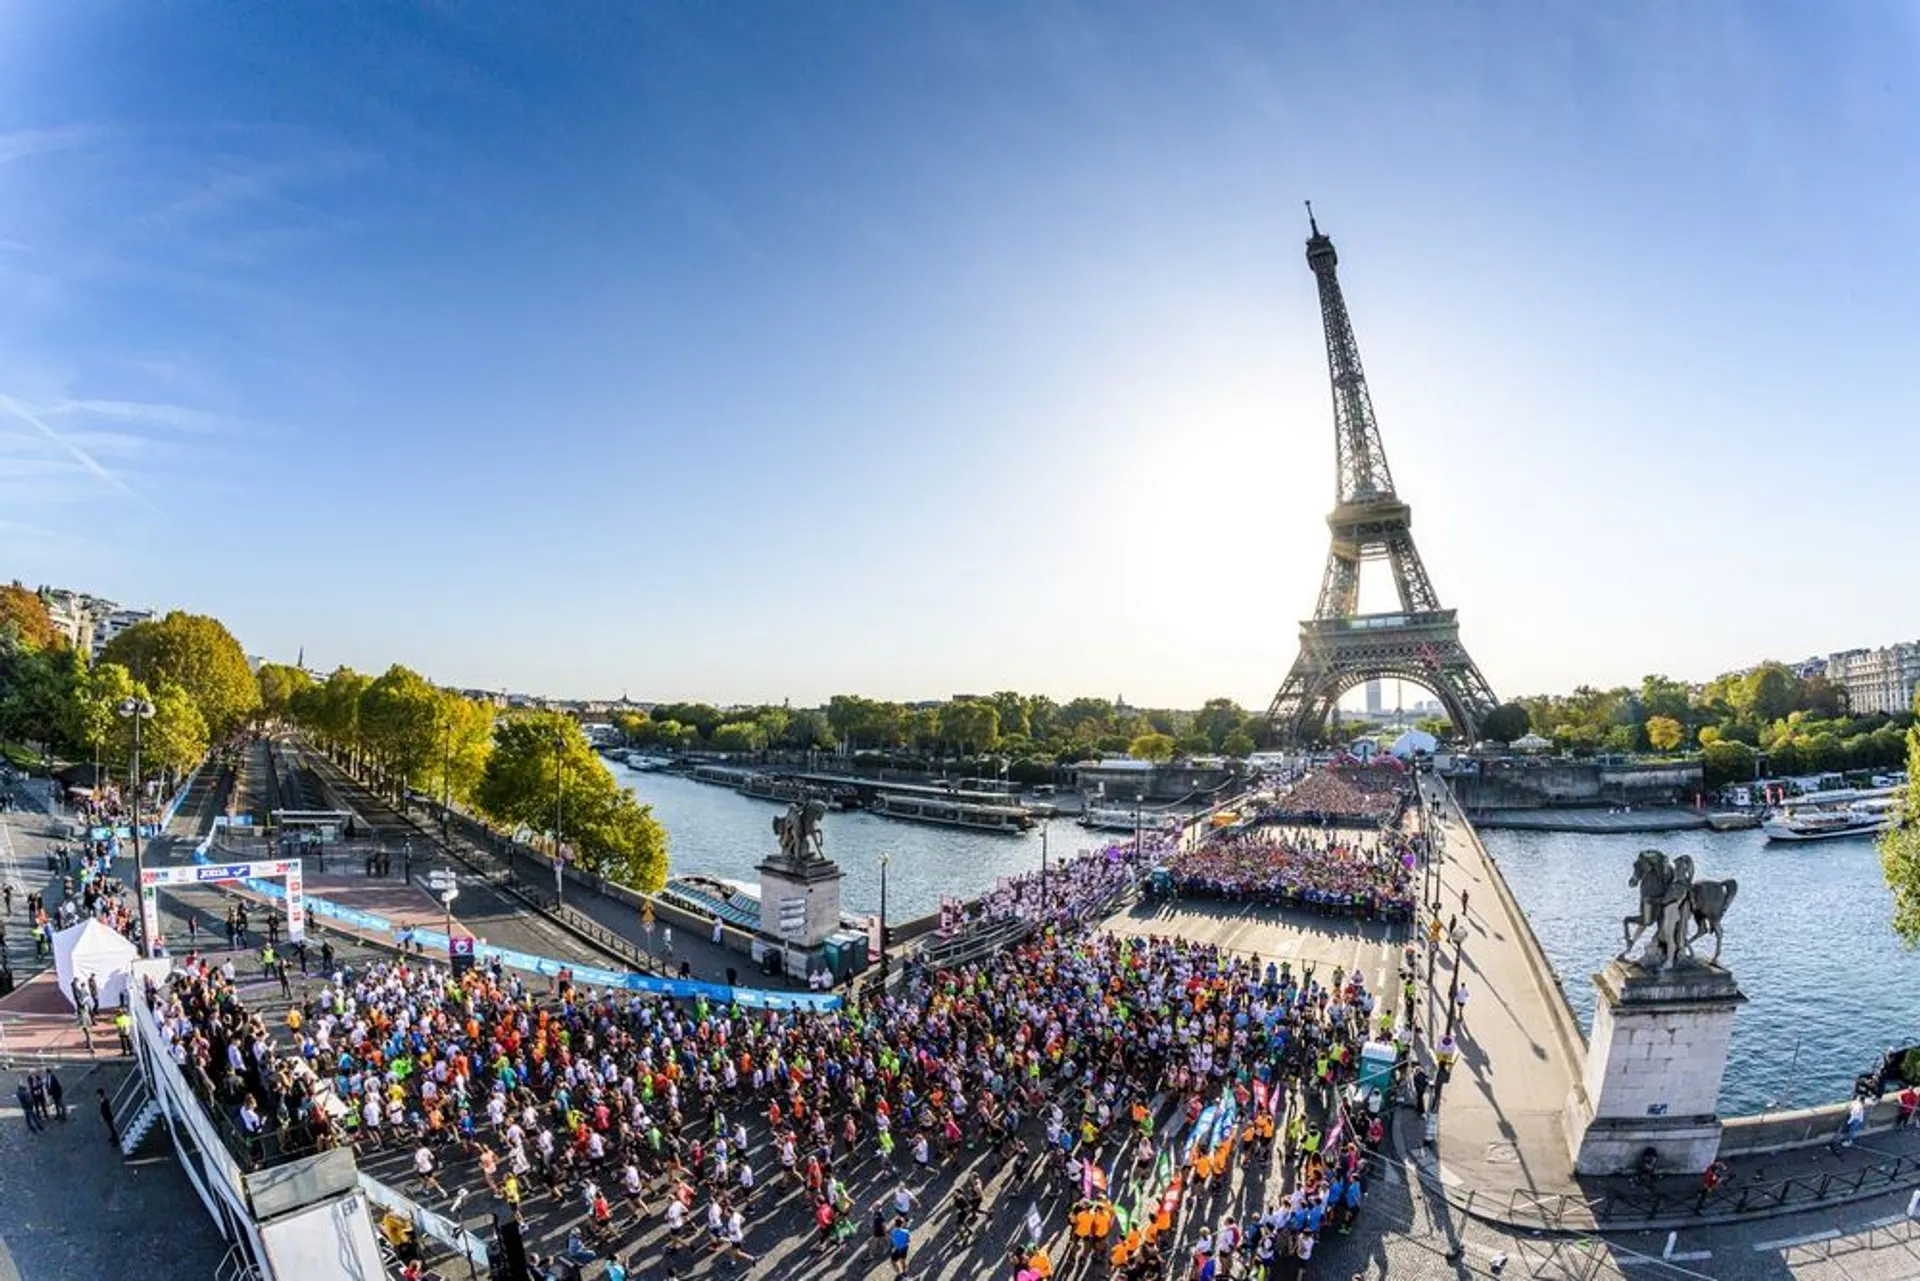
(1578,1219)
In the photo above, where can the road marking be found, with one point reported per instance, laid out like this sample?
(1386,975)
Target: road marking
(1787,1243)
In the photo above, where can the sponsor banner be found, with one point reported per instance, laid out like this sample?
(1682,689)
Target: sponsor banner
(686,989)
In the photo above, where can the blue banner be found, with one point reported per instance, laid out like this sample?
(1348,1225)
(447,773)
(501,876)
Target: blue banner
(592,976)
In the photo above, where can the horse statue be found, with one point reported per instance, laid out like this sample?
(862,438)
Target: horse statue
(799,831)
(1652,876)
(1707,902)
(1670,900)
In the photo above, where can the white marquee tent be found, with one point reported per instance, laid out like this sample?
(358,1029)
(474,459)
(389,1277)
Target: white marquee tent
(1414,741)
(93,948)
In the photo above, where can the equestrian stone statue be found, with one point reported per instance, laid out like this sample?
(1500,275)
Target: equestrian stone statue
(799,830)
(1670,900)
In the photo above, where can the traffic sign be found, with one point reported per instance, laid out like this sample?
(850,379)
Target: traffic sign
(439,878)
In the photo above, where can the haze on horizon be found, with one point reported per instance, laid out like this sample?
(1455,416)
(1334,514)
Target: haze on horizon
(750,353)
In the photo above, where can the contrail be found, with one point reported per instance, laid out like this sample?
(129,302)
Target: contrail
(81,456)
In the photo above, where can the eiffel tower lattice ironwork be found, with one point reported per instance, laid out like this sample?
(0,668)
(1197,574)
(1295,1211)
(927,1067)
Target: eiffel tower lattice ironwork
(1339,646)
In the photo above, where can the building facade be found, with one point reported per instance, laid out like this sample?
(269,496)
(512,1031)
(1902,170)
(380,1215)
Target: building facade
(1877,680)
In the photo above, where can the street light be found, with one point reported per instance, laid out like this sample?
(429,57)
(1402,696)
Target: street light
(884,958)
(138,710)
(1045,823)
(559,796)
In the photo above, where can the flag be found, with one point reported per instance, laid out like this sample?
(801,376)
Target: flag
(1095,1179)
(1163,1170)
(1035,1228)
(1122,1219)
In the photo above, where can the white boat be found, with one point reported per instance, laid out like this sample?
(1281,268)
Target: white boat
(1829,818)
(952,813)
(1119,819)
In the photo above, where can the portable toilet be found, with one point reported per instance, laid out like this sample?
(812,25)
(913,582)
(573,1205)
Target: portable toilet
(1376,1069)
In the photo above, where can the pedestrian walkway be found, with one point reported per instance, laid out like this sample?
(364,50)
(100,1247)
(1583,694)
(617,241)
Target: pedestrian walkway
(1501,1150)
(1520,1051)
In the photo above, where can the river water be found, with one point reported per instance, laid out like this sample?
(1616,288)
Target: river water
(718,832)
(1807,936)
(1829,987)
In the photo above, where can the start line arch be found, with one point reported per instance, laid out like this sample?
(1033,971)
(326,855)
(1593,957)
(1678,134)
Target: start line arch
(287,869)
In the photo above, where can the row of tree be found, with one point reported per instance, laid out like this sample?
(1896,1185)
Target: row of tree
(187,667)
(1022,728)
(532,771)
(1800,724)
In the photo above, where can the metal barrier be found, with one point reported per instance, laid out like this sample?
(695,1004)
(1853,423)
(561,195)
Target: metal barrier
(1642,1208)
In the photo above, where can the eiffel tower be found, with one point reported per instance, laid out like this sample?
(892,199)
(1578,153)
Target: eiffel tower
(1339,646)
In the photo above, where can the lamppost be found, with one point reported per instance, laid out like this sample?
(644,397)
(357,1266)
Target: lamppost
(885,958)
(559,797)
(1045,823)
(138,710)
(1459,936)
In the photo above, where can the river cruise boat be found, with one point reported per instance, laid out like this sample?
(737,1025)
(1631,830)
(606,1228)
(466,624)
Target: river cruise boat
(787,791)
(952,813)
(1824,816)
(1122,819)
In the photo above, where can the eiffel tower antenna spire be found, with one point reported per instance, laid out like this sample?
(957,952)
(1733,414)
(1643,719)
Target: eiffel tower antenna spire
(1339,646)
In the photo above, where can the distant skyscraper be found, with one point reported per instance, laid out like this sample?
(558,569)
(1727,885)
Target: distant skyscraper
(1373,698)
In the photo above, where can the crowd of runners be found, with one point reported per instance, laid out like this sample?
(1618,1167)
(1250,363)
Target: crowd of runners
(1351,795)
(1336,873)
(1081,1094)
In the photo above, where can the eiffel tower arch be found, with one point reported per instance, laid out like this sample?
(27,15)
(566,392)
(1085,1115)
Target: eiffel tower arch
(1339,646)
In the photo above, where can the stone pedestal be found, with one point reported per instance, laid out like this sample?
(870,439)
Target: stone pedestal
(799,908)
(1654,1063)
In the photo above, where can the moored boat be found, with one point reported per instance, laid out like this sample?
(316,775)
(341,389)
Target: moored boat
(952,813)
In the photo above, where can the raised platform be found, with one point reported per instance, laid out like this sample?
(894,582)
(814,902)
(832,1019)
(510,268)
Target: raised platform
(1596,821)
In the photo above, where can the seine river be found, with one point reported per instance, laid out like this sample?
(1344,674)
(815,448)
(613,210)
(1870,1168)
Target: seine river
(1807,936)
(1829,986)
(718,832)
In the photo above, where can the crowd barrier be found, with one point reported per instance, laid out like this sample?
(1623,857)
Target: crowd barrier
(593,976)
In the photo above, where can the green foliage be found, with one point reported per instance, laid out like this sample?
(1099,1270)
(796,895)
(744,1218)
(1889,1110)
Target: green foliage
(1158,748)
(175,739)
(280,684)
(36,692)
(199,655)
(399,723)
(542,770)
(1726,761)
(1506,723)
(740,736)
(1900,852)
(1239,744)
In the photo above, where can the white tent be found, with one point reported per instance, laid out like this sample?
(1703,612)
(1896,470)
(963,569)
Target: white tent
(1413,742)
(93,948)
(1531,743)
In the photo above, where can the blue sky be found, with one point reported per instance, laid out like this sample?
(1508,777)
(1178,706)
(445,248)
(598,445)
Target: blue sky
(761,351)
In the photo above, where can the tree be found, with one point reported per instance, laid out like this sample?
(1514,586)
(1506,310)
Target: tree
(280,684)
(399,720)
(1158,748)
(175,739)
(1662,697)
(1218,719)
(1191,745)
(199,655)
(542,762)
(1621,738)
(1505,723)
(1900,852)
(740,736)
(970,725)
(1727,761)
(36,689)
(1238,744)
(1665,733)
(24,618)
